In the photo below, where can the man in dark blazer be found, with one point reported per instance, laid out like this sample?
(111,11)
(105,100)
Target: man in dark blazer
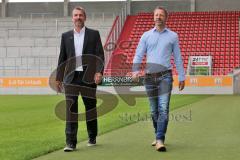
(80,69)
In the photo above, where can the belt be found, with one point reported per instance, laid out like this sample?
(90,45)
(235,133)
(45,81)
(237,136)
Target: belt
(78,73)
(158,74)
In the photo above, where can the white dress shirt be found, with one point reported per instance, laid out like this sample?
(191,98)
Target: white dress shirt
(78,44)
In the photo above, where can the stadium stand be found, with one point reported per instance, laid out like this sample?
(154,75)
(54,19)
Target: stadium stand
(213,34)
(30,46)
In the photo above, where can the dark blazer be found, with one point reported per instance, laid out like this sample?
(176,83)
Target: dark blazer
(92,56)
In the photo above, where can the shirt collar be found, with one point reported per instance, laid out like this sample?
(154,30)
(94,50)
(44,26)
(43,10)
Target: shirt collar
(155,29)
(81,31)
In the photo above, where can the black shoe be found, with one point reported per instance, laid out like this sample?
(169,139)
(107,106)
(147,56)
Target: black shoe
(91,142)
(69,148)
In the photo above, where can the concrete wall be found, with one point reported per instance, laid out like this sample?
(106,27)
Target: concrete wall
(56,8)
(185,5)
(0,9)
(187,90)
(236,78)
(148,6)
(216,5)
(97,7)
(119,90)
(25,9)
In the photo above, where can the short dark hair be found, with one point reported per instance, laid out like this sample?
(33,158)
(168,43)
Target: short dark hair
(162,8)
(80,9)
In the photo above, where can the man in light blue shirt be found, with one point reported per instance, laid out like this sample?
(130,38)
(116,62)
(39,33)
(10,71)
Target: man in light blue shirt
(159,44)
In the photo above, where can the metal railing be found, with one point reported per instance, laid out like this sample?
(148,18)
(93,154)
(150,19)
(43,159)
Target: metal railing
(114,34)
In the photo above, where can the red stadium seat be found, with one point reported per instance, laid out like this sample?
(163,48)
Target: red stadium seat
(201,33)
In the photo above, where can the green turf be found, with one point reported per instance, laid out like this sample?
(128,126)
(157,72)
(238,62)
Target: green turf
(29,127)
(211,132)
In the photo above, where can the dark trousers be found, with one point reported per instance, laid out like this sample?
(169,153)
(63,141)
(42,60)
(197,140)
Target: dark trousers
(88,94)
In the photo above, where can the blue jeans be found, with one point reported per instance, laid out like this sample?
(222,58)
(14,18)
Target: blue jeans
(159,93)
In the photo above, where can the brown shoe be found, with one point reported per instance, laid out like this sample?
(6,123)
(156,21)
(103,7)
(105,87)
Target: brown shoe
(160,146)
(154,143)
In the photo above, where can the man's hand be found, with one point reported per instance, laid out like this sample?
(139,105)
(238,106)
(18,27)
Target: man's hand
(135,77)
(181,85)
(59,86)
(98,78)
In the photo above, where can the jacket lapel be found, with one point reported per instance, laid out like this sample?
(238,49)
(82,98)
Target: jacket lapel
(71,38)
(85,40)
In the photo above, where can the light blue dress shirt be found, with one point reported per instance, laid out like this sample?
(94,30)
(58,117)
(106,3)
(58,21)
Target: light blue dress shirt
(158,48)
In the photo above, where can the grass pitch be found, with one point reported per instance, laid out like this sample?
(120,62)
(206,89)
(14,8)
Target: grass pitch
(29,127)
